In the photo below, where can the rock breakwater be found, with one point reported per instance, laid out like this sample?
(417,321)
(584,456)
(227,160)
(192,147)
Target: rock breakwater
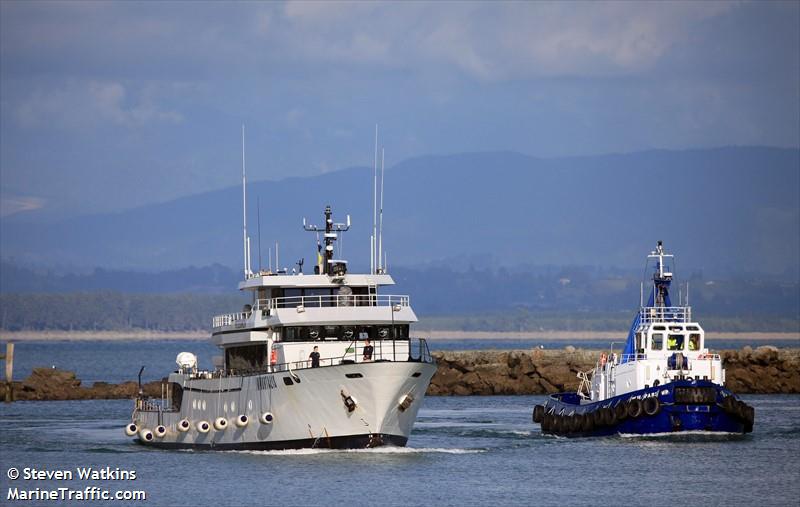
(764,370)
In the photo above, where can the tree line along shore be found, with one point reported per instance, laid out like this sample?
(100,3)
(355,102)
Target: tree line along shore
(433,335)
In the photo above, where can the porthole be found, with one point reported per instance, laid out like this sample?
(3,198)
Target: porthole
(225,407)
(194,404)
(233,406)
(288,381)
(416,374)
(203,405)
(249,405)
(353,375)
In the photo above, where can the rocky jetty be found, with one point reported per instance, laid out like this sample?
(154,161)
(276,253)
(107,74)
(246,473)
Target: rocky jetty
(55,384)
(764,370)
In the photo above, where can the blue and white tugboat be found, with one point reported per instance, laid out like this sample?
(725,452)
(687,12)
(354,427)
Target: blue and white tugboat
(665,381)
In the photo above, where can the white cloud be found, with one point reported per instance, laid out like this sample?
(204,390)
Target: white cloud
(494,41)
(92,103)
(13,204)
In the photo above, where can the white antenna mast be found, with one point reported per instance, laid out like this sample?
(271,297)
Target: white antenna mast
(374,261)
(381,264)
(245,239)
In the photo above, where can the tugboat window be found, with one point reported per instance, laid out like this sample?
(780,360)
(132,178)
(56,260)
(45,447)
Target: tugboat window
(657,341)
(675,342)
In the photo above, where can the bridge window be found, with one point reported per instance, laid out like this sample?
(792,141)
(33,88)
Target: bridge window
(248,357)
(657,341)
(345,333)
(675,342)
(694,341)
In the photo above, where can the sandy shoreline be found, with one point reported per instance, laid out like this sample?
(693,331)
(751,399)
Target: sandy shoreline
(22,336)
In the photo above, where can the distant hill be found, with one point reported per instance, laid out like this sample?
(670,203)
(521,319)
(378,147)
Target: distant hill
(727,210)
(569,298)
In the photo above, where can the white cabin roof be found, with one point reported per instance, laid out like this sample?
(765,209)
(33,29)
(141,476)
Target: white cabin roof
(298,280)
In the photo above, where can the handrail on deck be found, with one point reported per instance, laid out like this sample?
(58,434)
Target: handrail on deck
(321,301)
(666,314)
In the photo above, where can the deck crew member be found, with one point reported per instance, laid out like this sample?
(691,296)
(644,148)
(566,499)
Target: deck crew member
(314,356)
(367,351)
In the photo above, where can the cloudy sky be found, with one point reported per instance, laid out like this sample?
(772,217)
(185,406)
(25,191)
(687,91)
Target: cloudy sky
(105,106)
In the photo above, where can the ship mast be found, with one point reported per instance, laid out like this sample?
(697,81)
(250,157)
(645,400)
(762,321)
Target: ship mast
(245,239)
(331,234)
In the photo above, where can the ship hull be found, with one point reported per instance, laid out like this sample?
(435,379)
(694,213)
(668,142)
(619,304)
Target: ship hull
(308,409)
(681,406)
(363,441)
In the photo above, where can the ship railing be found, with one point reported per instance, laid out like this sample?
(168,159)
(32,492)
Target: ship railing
(334,300)
(382,353)
(628,358)
(321,301)
(653,314)
(230,319)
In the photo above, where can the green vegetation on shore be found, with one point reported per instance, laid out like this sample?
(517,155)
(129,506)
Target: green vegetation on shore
(114,311)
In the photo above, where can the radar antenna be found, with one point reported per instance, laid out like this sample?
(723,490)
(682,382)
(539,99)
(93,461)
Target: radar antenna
(326,265)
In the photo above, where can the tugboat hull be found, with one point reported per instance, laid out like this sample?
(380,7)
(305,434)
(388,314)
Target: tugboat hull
(676,407)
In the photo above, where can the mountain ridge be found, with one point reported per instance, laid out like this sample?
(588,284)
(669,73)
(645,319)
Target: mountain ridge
(725,208)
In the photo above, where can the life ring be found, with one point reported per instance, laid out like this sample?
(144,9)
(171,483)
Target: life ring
(603,359)
(651,406)
(634,408)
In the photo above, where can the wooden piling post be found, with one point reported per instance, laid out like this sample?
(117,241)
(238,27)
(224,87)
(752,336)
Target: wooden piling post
(9,357)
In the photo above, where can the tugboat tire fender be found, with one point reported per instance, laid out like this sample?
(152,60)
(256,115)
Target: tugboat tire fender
(609,417)
(547,422)
(729,405)
(538,413)
(634,408)
(651,406)
(621,410)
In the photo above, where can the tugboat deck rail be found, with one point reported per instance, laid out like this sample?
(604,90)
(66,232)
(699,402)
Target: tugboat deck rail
(666,314)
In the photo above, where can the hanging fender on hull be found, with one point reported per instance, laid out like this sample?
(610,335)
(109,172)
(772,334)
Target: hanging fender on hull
(675,407)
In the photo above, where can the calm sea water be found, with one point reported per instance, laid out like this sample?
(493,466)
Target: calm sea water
(463,451)
(119,361)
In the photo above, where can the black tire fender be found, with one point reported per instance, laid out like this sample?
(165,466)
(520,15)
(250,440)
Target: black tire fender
(651,406)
